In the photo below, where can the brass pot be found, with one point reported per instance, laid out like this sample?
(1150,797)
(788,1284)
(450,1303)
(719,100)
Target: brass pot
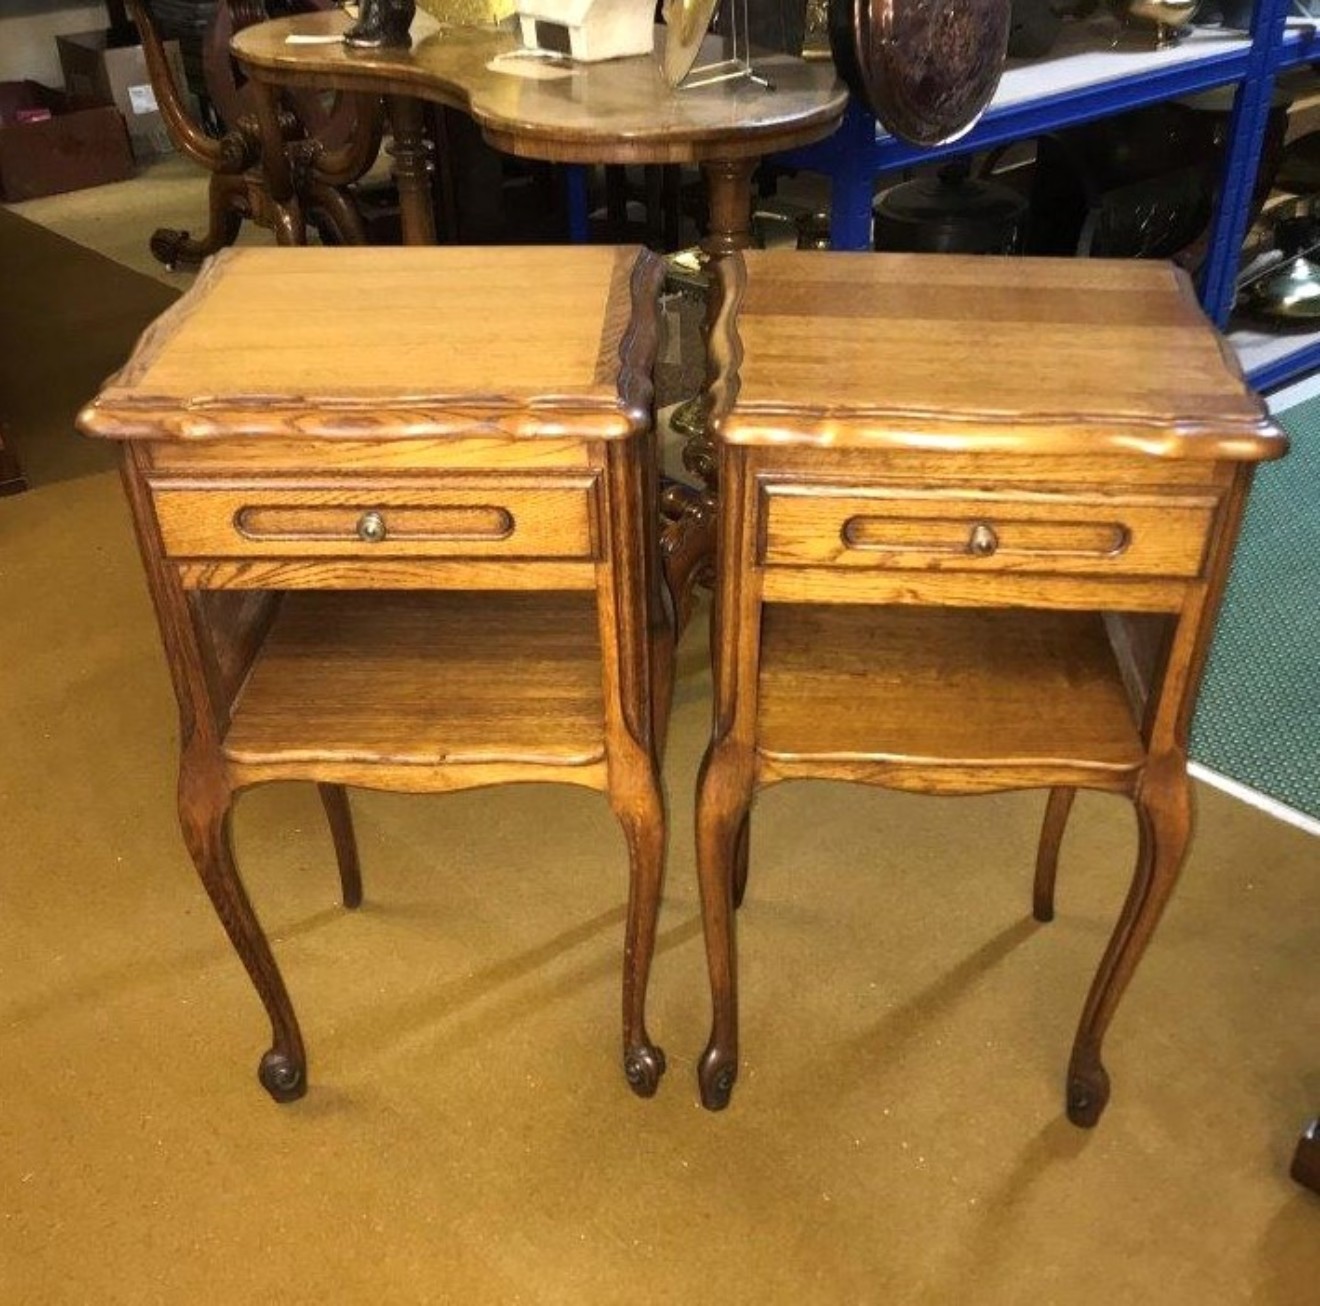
(1166,18)
(1285,296)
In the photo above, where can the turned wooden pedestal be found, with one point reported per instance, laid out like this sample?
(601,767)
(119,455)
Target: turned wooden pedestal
(975,520)
(397,513)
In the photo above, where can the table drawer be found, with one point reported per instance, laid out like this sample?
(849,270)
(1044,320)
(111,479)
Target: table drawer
(493,517)
(816,525)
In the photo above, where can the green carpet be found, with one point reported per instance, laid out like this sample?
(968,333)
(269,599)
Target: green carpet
(1258,717)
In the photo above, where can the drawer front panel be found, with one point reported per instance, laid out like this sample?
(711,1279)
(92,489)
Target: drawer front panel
(461,517)
(999,531)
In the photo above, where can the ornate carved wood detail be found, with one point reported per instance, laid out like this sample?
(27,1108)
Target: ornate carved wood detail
(324,151)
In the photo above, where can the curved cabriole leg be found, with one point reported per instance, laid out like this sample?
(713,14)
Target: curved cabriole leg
(274,192)
(740,855)
(642,816)
(722,812)
(334,798)
(1047,855)
(1164,818)
(204,812)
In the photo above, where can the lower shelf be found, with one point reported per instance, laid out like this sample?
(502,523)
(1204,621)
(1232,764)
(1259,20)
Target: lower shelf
(425,678)
(931,687)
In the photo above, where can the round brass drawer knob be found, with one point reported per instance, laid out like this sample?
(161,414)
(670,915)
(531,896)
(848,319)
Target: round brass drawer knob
(371,527)
(983,541)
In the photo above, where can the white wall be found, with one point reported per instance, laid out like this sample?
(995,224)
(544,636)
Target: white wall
(27,36)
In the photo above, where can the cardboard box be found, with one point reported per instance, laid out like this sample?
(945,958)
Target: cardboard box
(107,74)
(72,147)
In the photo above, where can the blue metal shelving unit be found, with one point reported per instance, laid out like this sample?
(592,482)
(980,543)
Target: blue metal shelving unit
(860,151)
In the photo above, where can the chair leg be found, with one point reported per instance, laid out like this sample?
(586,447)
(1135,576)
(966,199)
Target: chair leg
(204,813)
(1164,817)
(723,802)
(1047,855)
(337,212)
(228,204)
(334,798)
(641,813)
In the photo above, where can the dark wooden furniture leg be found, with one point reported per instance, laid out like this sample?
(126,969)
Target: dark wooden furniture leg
(688,533)
(637,698)
(1306,1160)
(285,209)
(205,797)
(639,808)
(412,169)
(723,801)
(1047,855)
(1164,818)
(204,813)
(334,798)
(227,198)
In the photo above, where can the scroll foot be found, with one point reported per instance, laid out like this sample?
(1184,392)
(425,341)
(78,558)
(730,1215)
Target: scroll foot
(643,1067)
(175,249)
(282,1077)
(1306,1161)
(716,1076)
(1088,1094)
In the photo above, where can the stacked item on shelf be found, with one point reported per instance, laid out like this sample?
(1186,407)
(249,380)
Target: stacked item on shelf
(1087,78)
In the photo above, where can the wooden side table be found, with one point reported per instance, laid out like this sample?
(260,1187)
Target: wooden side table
(397,513)
(975,521)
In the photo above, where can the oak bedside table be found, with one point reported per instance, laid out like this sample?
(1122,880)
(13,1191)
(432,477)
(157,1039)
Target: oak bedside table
(975,520)
(397,513)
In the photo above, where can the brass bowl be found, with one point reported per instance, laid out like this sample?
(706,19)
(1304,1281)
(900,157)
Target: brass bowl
(1288,297)
(1166,18)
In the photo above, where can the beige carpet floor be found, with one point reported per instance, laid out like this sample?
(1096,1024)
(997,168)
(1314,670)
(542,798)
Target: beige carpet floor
(897,1134)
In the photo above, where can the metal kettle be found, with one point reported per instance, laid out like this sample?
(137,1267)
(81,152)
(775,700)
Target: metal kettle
(950,212)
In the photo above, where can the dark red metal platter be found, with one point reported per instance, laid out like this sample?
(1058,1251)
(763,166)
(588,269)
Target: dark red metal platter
(926,68)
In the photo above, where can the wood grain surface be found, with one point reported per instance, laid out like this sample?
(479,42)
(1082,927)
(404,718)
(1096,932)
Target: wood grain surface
(426,679)
(618,111)
(983,354)
(371,345)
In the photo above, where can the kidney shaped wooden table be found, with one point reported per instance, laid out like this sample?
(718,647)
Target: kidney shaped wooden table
(619,111)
